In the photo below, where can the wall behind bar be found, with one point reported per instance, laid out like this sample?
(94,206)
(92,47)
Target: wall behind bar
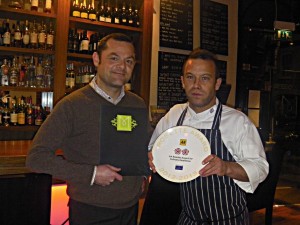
(231,58)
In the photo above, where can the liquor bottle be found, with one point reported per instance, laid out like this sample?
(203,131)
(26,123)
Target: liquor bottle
(115,17)
(34,5)
(71,76)
(50,37)
(31,73)
(48,6)
(22,73)
(21,111)
(13,73)
(13,112)
(136,18)
(85,75)
(12,35)
(85,43)
(48,73)
(79,42)
(130,15)
(2,29)
(6,34)
(83,10)
(71,40)
(18,36)
(29,112)
(41,6)
(78,78)
(34,36)
(15,4)
(108,12)
(67,75)
(26,35)
(92,11)
(27,5)
(39,79)
(6,111)
(5,73)
(75,9)
(42,36)
(101,11)
(123,16)
(39,116)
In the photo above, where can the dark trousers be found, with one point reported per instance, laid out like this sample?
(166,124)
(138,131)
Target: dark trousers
(83,214)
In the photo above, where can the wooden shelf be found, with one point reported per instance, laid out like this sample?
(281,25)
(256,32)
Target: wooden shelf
(86,22)
(25,89)
(9,12)
(13,50)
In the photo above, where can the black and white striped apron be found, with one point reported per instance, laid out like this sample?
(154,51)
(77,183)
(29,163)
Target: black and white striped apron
(214,199)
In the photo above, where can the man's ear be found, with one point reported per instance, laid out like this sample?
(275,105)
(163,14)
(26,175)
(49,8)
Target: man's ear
(96,59)
(182,83)
(218,83)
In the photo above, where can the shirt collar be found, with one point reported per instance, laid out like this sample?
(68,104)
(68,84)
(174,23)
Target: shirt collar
(204,114)
(102,93)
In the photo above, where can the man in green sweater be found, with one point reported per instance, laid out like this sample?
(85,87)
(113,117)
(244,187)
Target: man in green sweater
(98,193)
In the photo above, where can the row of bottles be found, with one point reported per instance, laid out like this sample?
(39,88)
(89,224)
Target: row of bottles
(27,72)
(109,11)
(79,76)
(32,5)
(24,34)
(80,42)
(20,111)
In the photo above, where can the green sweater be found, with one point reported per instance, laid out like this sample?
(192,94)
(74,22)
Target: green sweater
(73,127)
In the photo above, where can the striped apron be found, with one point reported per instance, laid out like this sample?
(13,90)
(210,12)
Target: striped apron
(214,199)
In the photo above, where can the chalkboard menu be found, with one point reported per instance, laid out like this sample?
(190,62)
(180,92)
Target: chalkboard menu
(169,91)
(176,24)
(214,27)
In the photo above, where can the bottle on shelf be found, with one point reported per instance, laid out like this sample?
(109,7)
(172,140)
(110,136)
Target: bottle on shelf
(27,5)
(101,11)
(12,35)
(67,75)
(31,73)
(18,36)
(6,35)
(83,10)
(76,42)
(22,74)
(39,116)
(6,111)
(48,6)
(50,37)
(13,73)
(2,29)
(29,112)
(48,73)
(21,111)
(107,14)
(85,75)
(41,6)
(39,79)
(71,40)
(34,5)
(136,18)
(115,16)
(130,15)
(75,9)
(42,36)
(26,35)
(15,4)
(34,36)
(92,11)
(13,112)
(85,43)
(71,76)
(5,73)
(123,16)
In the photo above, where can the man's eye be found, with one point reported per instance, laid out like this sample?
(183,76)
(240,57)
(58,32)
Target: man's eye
(129,62)
(114,58)
(205,78)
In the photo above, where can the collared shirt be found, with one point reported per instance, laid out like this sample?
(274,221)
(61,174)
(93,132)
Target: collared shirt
(94,85)
(239,135)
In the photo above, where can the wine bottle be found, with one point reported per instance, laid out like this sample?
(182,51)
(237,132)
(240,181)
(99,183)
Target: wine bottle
(83,10)
(6,34)
(48,6)
(50,37)
(123,16)
(92,11)
(26,35)
(34,36)
(34,5)
(101,11)
(130,15)
(42,36)
(75,9)
(85,43)
(18,36)
(5,73)
(13,73)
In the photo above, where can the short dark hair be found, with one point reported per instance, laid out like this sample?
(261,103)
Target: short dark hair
(199,53)
(102,45)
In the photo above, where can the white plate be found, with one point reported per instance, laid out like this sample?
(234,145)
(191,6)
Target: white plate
(178,153)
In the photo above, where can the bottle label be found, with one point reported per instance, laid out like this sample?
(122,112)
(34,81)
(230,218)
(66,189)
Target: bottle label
(86,78)
(33,38)
(71,82)
(84,15)
(18,36)
(38,121)
(130,21)
(13,79)
(26,39)
(92,16)
(6,38)
(76,14)
(85,45)
(108,19)
(35,3)
(117,20)
(48,4)
(102,18)
(50,38)
(14,117)
(21,118)
(42,38)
